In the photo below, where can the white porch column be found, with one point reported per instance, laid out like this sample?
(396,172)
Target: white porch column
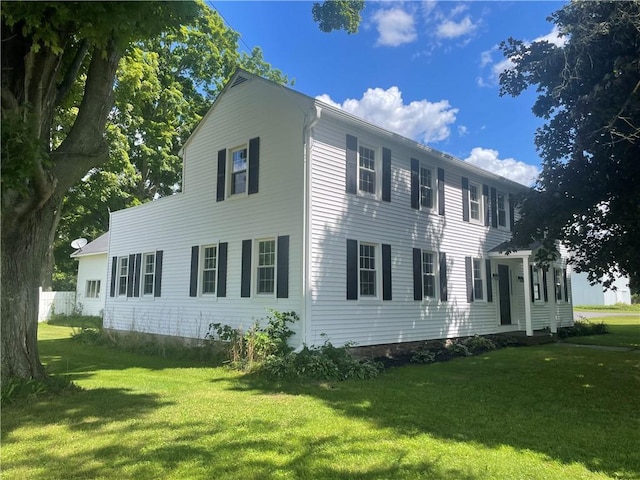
(553,310)
(527,296)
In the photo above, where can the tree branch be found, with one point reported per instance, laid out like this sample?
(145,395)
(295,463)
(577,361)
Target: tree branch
(72,73)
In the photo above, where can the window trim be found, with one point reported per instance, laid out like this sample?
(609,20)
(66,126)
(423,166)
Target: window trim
(434,187)
(558,284)
(537,293)
(273,266)
(96,290)
(435,274)
(202,270)
(505,209)
(377,171)
(481,278)
(123,263)
(479,195)
(232,173)
(145,274)
(377,271)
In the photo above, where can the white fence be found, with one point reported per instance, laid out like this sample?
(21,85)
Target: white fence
(55,302)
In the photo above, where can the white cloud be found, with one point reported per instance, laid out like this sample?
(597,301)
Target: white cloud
(452,29)
(553,37)
(421,120)
(510,168)
(395,27)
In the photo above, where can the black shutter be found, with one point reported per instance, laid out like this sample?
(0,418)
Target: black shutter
(114,271)
(386,272)
(494,208)
(352,164)
(386,175)
(157,286)
(415,184)
(465,199)
(417,274)
(443,276)
(283,267)
(566,286)
(221,291)
(136,275)
(245,274)
(254,165)
(221,179)
(130,274)
(533,295)
(468,271)
(485,203)
(440,191)
(511,212)
(193,279)
(487,268)
(544,284)
(352,269)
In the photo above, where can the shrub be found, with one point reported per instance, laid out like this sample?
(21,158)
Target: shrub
(16,390)
(583,328)
(423,355)
(478,344)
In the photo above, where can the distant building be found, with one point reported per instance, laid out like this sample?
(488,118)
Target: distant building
(92,275)
(587,294)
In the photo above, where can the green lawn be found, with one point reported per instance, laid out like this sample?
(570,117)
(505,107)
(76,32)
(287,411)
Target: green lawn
(623,332)
(547,412)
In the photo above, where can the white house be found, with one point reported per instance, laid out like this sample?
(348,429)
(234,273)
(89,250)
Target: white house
(291,204)
(583,293)
(92,275)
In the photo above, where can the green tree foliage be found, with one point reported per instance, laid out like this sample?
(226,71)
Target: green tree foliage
(589,95)
(164,85)
(338,15)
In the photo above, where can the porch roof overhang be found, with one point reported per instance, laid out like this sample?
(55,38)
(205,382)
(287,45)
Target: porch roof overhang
(508,250)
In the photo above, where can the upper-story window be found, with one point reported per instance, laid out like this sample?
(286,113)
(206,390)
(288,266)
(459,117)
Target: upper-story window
(239,170)
(123,275)
(475,202)
(149,273)
(367,170)
(426,187)
(502,210)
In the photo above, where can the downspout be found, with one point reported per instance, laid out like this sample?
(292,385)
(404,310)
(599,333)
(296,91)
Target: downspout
(306,234)
(527,296)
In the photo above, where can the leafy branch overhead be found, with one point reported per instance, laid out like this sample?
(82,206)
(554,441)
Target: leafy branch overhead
(589,97)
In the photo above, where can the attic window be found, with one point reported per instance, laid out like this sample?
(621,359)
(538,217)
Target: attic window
(239,79)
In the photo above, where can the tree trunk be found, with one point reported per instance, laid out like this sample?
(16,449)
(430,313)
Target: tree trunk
(24,246)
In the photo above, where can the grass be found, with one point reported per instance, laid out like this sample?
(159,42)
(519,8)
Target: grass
(623,332)
(543,412)
(618,307)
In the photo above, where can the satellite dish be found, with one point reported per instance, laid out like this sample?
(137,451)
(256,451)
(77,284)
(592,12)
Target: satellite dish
(79,243)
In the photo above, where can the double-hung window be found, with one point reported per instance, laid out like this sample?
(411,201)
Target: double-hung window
(209,268)
(123,275)
(502,210)
(429,274)
(93,289)
(475,203)
(239,170)
(367,170)
(478,279)
(426,187)
(537,282)
(367,270)
(149,273)
(558,280)
(266,274)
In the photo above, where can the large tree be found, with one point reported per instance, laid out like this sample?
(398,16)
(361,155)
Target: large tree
(587,195)
(46,48)
(54,131)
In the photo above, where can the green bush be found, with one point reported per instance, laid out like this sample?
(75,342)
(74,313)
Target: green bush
(582,328)
(478,344)
(15,390)
(423,355)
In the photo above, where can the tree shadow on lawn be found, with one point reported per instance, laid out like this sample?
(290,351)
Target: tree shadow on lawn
(574,407)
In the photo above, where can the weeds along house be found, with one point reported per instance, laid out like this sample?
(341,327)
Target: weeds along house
(291,204)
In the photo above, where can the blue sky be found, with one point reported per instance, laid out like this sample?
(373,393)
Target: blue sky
(427,70)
